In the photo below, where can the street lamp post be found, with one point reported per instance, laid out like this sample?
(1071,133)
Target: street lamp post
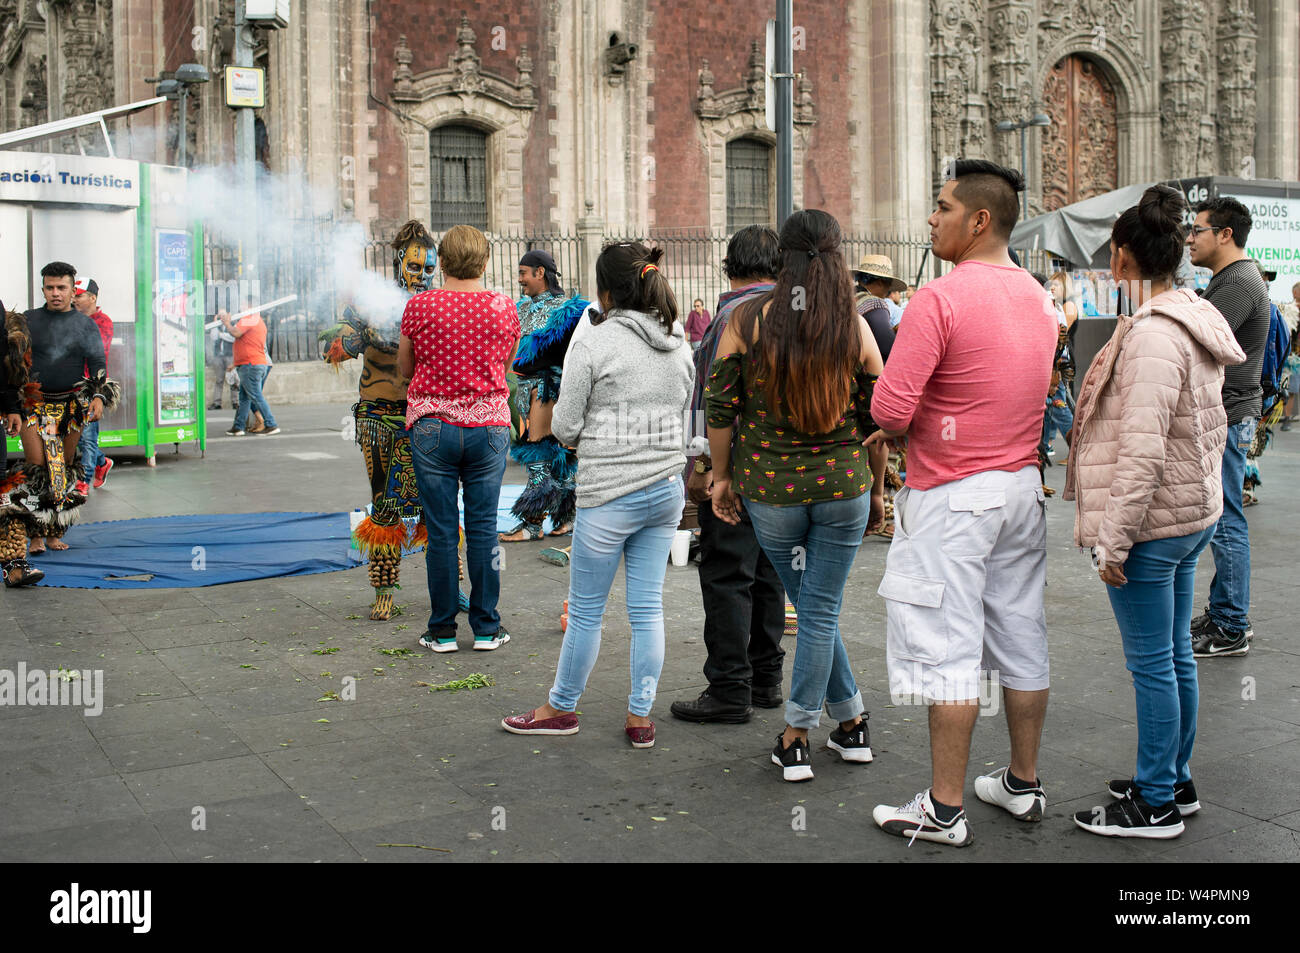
(177,87)
(1006,125)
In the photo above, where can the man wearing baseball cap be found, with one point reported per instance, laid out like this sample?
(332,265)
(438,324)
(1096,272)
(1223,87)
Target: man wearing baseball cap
(86,300)
(548,321)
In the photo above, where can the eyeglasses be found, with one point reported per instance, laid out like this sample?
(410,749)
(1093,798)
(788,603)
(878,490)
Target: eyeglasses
(1197,229)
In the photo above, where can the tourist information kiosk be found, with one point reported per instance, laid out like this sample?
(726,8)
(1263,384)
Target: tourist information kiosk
(125,224)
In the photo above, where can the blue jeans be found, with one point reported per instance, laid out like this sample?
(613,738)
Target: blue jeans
(447,457)
(251,378)
(638,527)
(1230,589)
(812,548)
(1154,613)
(88,448)
(1058,419)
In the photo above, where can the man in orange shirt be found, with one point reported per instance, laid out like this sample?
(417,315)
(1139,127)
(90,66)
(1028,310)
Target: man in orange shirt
(252,365)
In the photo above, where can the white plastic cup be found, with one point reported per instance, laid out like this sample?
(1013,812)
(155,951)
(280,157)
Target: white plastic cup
(680,550)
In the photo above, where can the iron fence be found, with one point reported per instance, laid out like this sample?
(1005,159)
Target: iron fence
(306,268)
(692,263)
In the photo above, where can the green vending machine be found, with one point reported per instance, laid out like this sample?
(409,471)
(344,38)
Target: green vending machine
(126,225)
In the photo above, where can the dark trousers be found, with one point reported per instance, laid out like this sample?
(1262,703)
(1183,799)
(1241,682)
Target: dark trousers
(744,610)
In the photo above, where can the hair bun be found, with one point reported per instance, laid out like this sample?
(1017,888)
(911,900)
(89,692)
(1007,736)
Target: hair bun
(1161,209)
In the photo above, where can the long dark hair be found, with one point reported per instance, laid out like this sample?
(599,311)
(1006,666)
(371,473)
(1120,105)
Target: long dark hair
(810,343)
(629,273)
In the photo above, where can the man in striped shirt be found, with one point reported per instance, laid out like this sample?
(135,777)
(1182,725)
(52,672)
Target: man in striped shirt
(744,603)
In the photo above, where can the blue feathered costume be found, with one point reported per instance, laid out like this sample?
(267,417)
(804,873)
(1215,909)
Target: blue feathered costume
(547,321)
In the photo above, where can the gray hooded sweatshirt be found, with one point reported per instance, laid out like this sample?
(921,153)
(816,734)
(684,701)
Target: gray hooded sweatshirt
(623,404)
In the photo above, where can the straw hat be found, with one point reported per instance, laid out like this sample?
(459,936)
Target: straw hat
(879,267)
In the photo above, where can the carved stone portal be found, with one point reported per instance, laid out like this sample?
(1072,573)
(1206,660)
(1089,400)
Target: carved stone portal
(959,122)
(1081,150)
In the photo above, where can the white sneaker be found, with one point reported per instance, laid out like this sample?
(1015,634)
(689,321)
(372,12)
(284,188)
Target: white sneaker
(438,645)
(1022,805)
(916,819)
(486,643)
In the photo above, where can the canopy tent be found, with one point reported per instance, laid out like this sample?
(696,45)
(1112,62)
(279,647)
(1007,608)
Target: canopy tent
(1079,233)
(59,127)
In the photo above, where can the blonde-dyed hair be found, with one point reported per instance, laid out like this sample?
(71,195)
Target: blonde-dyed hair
(463,252)
(1064,278)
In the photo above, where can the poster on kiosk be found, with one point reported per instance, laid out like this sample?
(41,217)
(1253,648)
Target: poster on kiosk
(124,224)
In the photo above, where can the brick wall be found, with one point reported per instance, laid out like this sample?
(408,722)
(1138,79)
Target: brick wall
(688,31)
(178,35)
(431,34)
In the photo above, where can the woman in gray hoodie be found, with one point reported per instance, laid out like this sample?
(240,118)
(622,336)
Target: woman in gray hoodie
(627,383)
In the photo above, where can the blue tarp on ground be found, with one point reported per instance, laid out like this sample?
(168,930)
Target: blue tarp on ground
(160,553)
(181,552)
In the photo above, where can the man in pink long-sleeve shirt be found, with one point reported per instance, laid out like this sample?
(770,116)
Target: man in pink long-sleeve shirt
(964,578)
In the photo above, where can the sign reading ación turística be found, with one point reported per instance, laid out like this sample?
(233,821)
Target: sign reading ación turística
(79,180)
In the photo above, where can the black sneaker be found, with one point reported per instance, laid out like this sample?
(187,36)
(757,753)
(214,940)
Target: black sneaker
(853,745)
(234,432)
(1214,641)
(1131,816)
(795,761)
(766,697)
(1184,794)
(706,708)
(1202,621)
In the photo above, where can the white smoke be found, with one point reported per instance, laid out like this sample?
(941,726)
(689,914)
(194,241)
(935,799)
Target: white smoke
(371,293)
(292,233)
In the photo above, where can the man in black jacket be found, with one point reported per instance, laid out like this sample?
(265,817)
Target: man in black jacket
(1218,241)
(65,345)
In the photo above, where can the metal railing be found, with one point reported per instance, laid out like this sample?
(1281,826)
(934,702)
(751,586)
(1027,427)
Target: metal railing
(692,262)
(304,269)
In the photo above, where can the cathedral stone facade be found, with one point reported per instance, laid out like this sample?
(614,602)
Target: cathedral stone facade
(630,116)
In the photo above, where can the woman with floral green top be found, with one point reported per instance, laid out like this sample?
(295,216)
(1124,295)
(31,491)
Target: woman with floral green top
(793,374)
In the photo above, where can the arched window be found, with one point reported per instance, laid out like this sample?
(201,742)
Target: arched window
(749,183)
(458,189)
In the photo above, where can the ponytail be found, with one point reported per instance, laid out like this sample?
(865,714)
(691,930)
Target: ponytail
(629,273)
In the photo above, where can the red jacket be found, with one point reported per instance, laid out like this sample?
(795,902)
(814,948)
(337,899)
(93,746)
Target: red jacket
(105,325)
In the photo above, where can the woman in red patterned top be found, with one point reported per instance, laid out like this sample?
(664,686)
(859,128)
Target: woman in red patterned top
(457,342)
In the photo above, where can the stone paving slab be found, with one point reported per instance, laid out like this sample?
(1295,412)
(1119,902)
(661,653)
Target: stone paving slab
(301,729)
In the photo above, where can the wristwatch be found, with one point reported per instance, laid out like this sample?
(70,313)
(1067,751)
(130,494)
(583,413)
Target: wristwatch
(700,466)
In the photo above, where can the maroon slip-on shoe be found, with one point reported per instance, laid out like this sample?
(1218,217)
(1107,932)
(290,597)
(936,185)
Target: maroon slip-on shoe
(641,737)
(527,724)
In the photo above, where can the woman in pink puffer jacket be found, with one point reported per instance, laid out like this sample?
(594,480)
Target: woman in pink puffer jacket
(1145,461)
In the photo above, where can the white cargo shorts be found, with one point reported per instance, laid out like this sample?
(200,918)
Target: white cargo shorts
(963,586)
